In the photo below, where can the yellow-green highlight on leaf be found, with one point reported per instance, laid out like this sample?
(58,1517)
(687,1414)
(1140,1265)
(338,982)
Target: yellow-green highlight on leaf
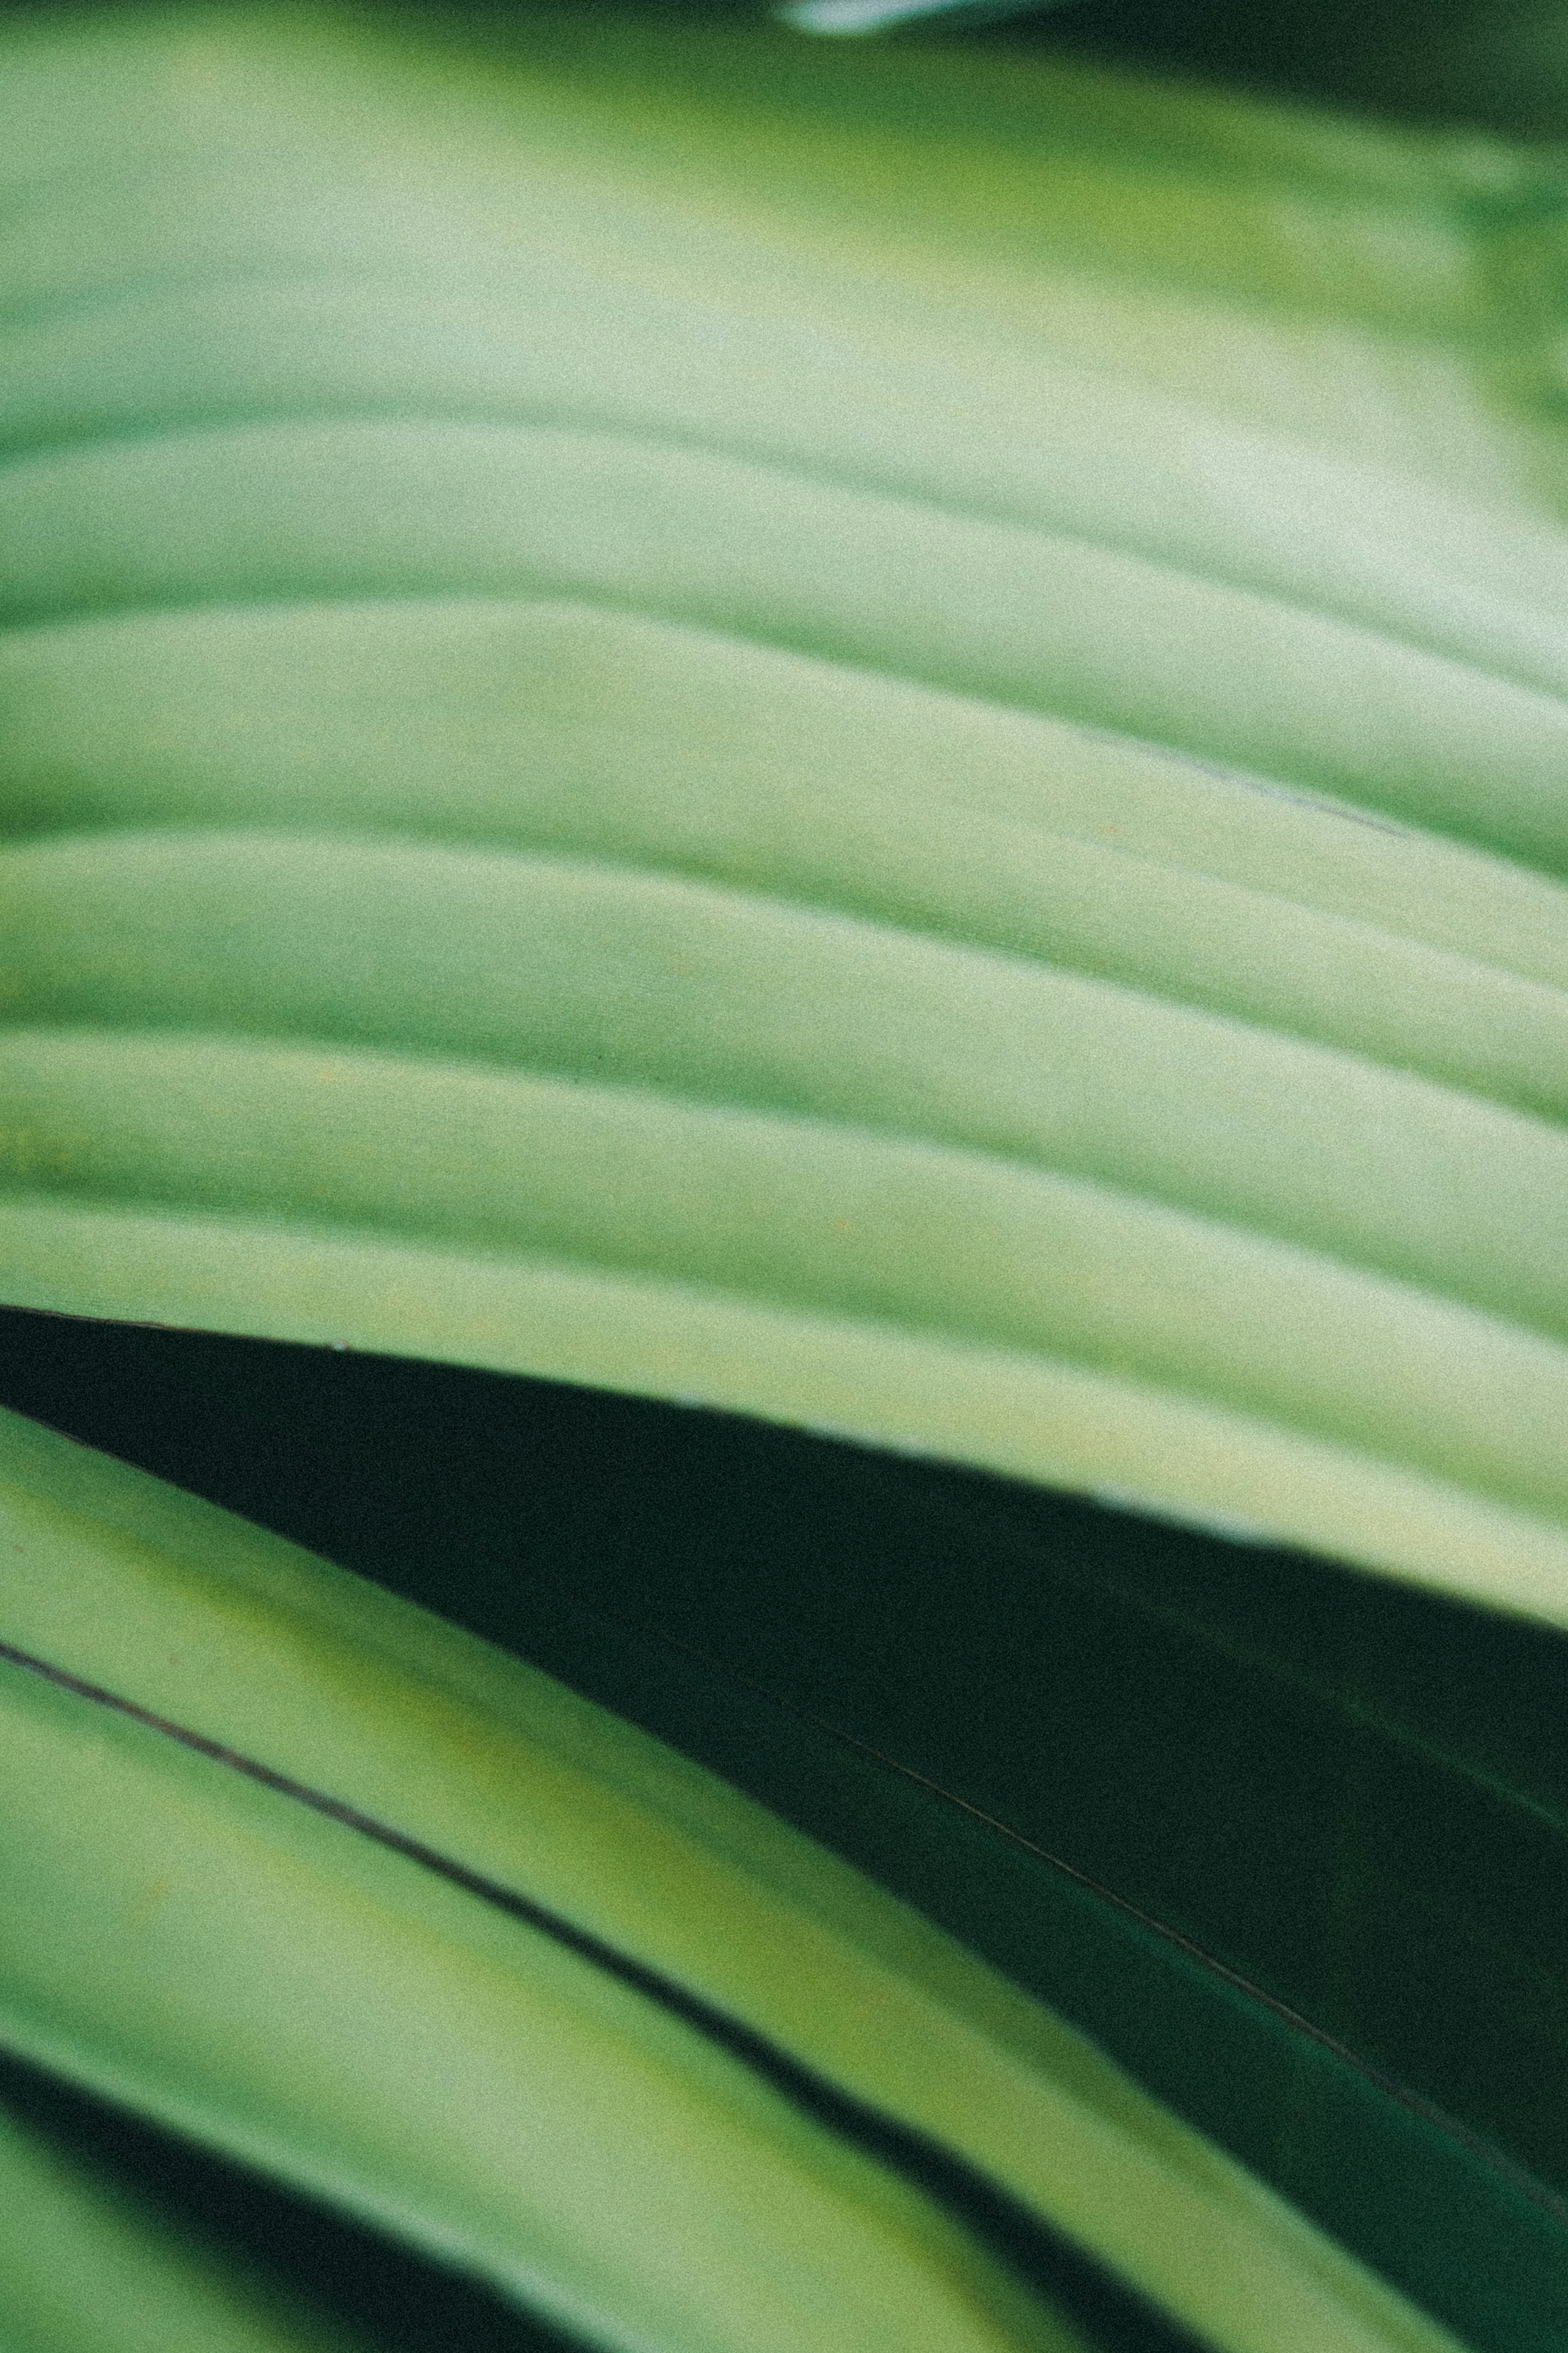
(258,1972)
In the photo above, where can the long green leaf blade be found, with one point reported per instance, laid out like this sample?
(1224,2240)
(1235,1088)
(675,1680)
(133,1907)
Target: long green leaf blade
(240,1959)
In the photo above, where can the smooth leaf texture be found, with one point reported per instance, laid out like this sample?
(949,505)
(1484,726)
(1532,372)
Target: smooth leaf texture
(83,2263)
(667,823)
(260,1896)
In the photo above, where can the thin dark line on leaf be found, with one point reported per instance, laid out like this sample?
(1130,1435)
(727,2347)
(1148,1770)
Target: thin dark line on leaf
(1389,2085)
(1497,2160)
(1116,2317)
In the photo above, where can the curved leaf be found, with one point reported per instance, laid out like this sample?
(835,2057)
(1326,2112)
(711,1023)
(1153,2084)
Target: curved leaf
(779,995)
(630,2047)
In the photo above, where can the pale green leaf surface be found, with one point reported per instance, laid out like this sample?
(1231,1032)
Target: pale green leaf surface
(783,827)
(567,727)
(612,137)
(1091,455)
(274,512)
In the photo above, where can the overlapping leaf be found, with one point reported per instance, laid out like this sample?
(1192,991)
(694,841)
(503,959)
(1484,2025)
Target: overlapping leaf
(883,744)
(302,1869)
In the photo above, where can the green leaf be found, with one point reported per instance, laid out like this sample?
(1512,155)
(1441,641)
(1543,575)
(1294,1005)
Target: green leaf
(810,973)
(1286,1841)
(870,735)
(84,2263)
(299,1869)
